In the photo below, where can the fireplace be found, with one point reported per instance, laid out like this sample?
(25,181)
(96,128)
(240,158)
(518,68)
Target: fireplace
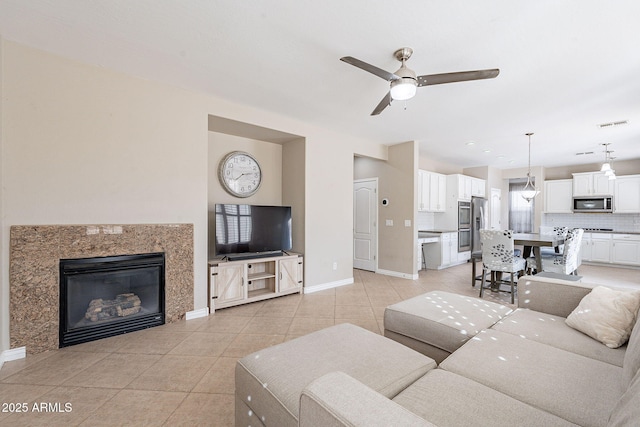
(106,296)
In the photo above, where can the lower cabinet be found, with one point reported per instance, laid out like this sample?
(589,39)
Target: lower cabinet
(622,249)
(240,282)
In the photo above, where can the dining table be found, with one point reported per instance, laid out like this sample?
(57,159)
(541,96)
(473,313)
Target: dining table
(533,242)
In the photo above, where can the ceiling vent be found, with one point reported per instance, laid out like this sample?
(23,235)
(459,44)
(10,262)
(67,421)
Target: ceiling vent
(612,124)
(584,152)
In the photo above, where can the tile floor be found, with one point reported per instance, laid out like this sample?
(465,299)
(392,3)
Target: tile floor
(183,373)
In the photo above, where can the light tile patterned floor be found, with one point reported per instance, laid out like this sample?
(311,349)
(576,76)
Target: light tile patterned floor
(183,373)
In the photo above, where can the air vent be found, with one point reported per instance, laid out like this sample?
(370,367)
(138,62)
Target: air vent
(583,153)
(611,124)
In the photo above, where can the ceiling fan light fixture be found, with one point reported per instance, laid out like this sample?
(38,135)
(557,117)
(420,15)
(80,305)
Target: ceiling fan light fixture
(403,89)
(605,167)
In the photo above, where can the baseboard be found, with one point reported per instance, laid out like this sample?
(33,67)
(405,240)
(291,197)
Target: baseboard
(202,312)
(12,354)
(397,274)
(325,286)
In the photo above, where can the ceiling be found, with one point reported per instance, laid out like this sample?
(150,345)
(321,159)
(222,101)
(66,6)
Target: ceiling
(565,67)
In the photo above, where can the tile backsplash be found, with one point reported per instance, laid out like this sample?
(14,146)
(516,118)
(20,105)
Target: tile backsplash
(618,222)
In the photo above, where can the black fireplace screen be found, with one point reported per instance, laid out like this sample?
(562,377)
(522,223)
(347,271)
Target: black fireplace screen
(107,296)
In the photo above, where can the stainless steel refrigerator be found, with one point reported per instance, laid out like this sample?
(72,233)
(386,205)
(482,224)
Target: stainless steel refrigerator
(479,221)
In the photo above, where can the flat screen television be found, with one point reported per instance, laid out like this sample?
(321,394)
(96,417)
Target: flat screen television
(252,230)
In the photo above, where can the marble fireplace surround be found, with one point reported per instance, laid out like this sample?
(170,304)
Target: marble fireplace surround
(34,275)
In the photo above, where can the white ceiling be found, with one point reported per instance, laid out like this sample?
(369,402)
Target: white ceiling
(565,66)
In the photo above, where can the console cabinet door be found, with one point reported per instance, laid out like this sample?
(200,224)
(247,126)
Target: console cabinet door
(229,283)
(289,274)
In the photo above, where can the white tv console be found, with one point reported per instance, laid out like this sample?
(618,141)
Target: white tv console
(254,279)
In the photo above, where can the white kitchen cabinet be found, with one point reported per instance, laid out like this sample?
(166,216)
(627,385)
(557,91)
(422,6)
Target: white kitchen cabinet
(423,190)
(601,247)
(592,184)
(432,191)
(478,187)
(585,247)
(463,187)
(596,247)
(243,281)
(558,196)
(625,249)
(627,194)
(437,192)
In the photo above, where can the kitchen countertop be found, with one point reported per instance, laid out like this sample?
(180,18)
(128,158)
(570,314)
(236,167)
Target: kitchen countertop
(611,232)
(437,231)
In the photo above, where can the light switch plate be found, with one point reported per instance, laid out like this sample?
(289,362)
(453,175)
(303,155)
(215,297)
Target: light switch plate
(389,223)
(407,223)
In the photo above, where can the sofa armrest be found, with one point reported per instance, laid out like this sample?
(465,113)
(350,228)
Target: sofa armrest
(551,296)
(338,400)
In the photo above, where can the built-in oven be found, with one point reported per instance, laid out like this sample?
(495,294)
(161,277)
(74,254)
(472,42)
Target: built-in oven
(464,240)
(464,215)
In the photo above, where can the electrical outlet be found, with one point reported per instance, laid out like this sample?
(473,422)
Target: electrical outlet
(407,223)
(335,265)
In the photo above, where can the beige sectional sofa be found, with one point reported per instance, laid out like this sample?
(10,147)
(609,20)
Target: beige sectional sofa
(529,368)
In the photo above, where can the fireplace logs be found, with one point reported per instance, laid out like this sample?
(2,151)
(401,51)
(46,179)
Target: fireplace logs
(123,305)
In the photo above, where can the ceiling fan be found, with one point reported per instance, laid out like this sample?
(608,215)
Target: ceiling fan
(404,82)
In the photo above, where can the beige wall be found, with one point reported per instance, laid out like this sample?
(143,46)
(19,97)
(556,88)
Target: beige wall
(427,163)
(293,184)
(397,181)
(82,144)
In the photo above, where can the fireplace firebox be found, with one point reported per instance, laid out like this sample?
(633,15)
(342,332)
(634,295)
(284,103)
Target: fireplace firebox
(106,296)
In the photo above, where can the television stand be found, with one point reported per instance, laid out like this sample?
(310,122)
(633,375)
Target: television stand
(239,281)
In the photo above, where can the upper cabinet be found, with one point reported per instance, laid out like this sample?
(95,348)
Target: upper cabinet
(465,186)
(626,198)
(557,196)
(592,184)
(432,189)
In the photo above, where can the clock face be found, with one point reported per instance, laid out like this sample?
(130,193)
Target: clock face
(240,174)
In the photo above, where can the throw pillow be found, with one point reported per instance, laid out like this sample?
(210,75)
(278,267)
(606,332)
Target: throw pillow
(606,315)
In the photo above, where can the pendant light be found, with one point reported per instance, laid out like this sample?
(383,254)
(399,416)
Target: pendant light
(529,191)
(606,166)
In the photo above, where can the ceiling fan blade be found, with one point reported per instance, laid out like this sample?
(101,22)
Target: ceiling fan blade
(370,68)
(386,101)
(438,79)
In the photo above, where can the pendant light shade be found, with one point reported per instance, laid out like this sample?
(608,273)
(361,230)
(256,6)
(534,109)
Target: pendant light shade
(606,166)
(529,192)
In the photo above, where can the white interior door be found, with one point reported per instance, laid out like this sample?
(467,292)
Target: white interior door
(496,208)
(365,224)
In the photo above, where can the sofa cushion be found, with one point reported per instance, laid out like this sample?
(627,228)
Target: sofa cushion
(448,399)
(627,411)
(576,388)
(442,319)
(631,363)
(552,330)
(270,381)
(337,400)
(607,315)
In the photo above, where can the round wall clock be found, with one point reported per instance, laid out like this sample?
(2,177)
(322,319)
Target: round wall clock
(240,174)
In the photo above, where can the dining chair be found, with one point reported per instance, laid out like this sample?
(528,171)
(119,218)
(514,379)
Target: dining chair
(569,260)
(498,257)
(555,231)
(548,251)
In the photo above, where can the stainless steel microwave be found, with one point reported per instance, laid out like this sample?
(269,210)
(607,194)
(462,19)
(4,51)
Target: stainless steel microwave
(593,204)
